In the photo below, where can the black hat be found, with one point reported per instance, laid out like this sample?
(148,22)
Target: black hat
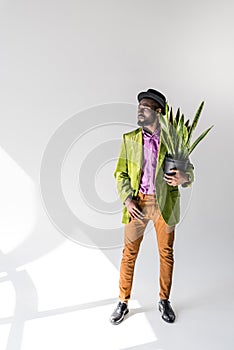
(153,95)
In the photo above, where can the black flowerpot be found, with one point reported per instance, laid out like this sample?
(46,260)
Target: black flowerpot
(171,164)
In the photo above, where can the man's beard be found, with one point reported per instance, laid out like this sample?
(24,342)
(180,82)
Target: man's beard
(140,122)
(145,122)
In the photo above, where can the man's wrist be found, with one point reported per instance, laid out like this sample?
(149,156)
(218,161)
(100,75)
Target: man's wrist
(128,200)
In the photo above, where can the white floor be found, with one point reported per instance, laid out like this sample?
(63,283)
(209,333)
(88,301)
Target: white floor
(63,300)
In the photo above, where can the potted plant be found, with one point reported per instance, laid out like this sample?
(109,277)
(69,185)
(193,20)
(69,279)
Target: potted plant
(176,135)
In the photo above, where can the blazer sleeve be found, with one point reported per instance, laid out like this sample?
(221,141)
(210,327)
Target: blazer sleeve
(123,181)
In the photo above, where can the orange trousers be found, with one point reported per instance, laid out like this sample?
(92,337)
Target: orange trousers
(133,235)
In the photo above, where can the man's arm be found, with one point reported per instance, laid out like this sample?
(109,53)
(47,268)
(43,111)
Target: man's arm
(123,181)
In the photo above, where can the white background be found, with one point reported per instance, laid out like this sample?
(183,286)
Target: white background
(62,57)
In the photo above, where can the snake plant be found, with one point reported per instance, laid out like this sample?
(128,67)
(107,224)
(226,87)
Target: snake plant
(177,134)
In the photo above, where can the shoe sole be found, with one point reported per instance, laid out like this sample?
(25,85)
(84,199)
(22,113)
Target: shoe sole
(161,309)
(121,319)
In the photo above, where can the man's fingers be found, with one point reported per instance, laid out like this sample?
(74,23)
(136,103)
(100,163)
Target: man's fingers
(168,179)
(171,178)
(137,213)
(171,182)
(168,176)
(134,211)
(135,208)
(136,216)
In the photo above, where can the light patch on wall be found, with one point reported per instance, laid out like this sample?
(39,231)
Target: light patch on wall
(17,203)
(7,293)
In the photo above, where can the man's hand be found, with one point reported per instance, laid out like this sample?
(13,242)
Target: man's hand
(133,209)
(175,180)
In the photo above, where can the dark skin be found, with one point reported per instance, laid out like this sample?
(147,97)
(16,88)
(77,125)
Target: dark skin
(148,118)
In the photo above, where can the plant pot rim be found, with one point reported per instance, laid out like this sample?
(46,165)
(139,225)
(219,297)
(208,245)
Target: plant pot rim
(177,159)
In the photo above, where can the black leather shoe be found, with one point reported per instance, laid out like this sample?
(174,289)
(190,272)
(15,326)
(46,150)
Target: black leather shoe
(119,313)
(165,308)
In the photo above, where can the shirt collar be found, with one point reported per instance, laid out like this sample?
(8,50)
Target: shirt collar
(156,133)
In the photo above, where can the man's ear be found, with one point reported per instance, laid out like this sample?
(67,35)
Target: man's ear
(158,110)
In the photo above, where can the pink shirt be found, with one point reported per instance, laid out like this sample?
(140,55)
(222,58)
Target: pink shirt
(150,155)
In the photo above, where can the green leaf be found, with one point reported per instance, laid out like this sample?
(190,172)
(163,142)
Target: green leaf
(180,137)
(195,121)
(163,123)
(176,133)
(185,135)
(177,118)
(166,110)
(171,139)
(187,123)
(199,139)
(180,126)
(164,140)
(171,116)
(167,134)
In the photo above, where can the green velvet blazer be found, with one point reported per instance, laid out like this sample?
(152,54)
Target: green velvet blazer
(128,175)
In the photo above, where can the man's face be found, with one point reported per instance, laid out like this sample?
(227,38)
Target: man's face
(147,114)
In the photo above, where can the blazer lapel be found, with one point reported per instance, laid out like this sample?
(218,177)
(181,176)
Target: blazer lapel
(161,155)
(138,144)
(137,147)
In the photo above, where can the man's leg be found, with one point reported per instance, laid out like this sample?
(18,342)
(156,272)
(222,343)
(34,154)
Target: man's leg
(133,235)
(165,237)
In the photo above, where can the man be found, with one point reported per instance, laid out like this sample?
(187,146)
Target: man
(147,194)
